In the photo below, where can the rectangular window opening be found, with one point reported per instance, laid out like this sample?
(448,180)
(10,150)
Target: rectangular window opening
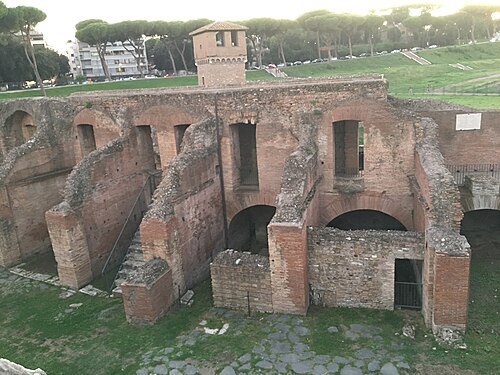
(87,139)
(348,148)
(179,131)
(234,38)
(219,38)
(245,154)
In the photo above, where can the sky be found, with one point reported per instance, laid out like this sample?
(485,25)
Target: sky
(59,26)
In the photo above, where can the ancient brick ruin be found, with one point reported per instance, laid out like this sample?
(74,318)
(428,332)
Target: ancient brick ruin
(262,169)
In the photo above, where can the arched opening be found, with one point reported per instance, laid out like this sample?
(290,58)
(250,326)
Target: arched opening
(19,127)
(366,219)
(348,143)
(248,229)
(482,230)
(86,139)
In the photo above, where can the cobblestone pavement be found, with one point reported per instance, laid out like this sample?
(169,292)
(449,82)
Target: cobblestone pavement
(283,351)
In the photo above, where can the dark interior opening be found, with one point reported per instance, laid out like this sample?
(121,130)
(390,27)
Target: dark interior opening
(366,219)
(248,229)
(19,127)
(482,230)
(408,284)
(179,131)
(348,148)
(87,139)
(245,153)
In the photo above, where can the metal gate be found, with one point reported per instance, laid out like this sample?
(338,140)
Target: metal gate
(408,295)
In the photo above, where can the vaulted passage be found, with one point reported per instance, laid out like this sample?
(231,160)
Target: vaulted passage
(248,229)
(18,128)
(366,219)
(482,230)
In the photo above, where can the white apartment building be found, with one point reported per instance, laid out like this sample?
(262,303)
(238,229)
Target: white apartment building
(84,60)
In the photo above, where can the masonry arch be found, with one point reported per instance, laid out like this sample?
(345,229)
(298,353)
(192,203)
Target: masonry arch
(482,230)
(375,202)
(480,202)
(17,129)
(366,219)
(168,126)
(92,130)
(248,229)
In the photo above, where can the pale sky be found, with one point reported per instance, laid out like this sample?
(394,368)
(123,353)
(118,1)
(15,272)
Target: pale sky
(59,25)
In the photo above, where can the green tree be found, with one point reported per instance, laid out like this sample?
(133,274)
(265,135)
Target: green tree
(26,18)
(283,28)
(305,21)
(131,34)
(95,33)
(260,30)
(349,25)
(13,64)
(162,30)
(371,26)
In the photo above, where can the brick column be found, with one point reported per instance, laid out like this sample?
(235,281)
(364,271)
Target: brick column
(70,248)
(288,261)
(10,253)
(451,291)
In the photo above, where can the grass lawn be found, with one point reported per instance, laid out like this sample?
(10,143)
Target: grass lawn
(39,329)
(406,78)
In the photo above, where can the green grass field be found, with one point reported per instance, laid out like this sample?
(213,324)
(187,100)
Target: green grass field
(406,78)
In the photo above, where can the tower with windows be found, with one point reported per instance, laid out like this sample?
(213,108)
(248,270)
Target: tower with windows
(220,54)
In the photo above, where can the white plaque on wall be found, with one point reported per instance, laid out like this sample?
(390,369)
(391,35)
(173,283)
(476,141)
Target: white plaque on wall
(468,121)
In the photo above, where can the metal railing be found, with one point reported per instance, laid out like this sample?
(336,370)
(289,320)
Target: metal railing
(408,295)
(121,244)
(460,171)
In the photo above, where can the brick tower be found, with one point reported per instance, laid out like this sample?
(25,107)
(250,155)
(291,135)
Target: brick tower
(220,53)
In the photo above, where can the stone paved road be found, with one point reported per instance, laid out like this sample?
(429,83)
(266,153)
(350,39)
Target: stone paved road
(284,351)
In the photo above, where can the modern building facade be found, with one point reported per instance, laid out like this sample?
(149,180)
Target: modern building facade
(84,60)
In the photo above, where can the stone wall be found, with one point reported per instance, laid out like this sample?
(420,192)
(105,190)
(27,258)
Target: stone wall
(241,281)
(99,195)
(439,198)
(185,224)
(297,208)
(356,268)
(32,175)
(230,73)
(146,294)
(468,146)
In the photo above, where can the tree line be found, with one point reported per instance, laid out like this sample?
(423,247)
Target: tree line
(19,59)
(320,34)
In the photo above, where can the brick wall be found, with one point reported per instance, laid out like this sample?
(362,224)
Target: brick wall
(222,74)
(447,278)
(296,209)
(100,193)
(32,175)
(356,268)
(184,224)
(146,297)
(240,279)
(468,146)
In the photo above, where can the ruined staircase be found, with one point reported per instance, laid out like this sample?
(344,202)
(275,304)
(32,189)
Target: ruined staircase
(134,259)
